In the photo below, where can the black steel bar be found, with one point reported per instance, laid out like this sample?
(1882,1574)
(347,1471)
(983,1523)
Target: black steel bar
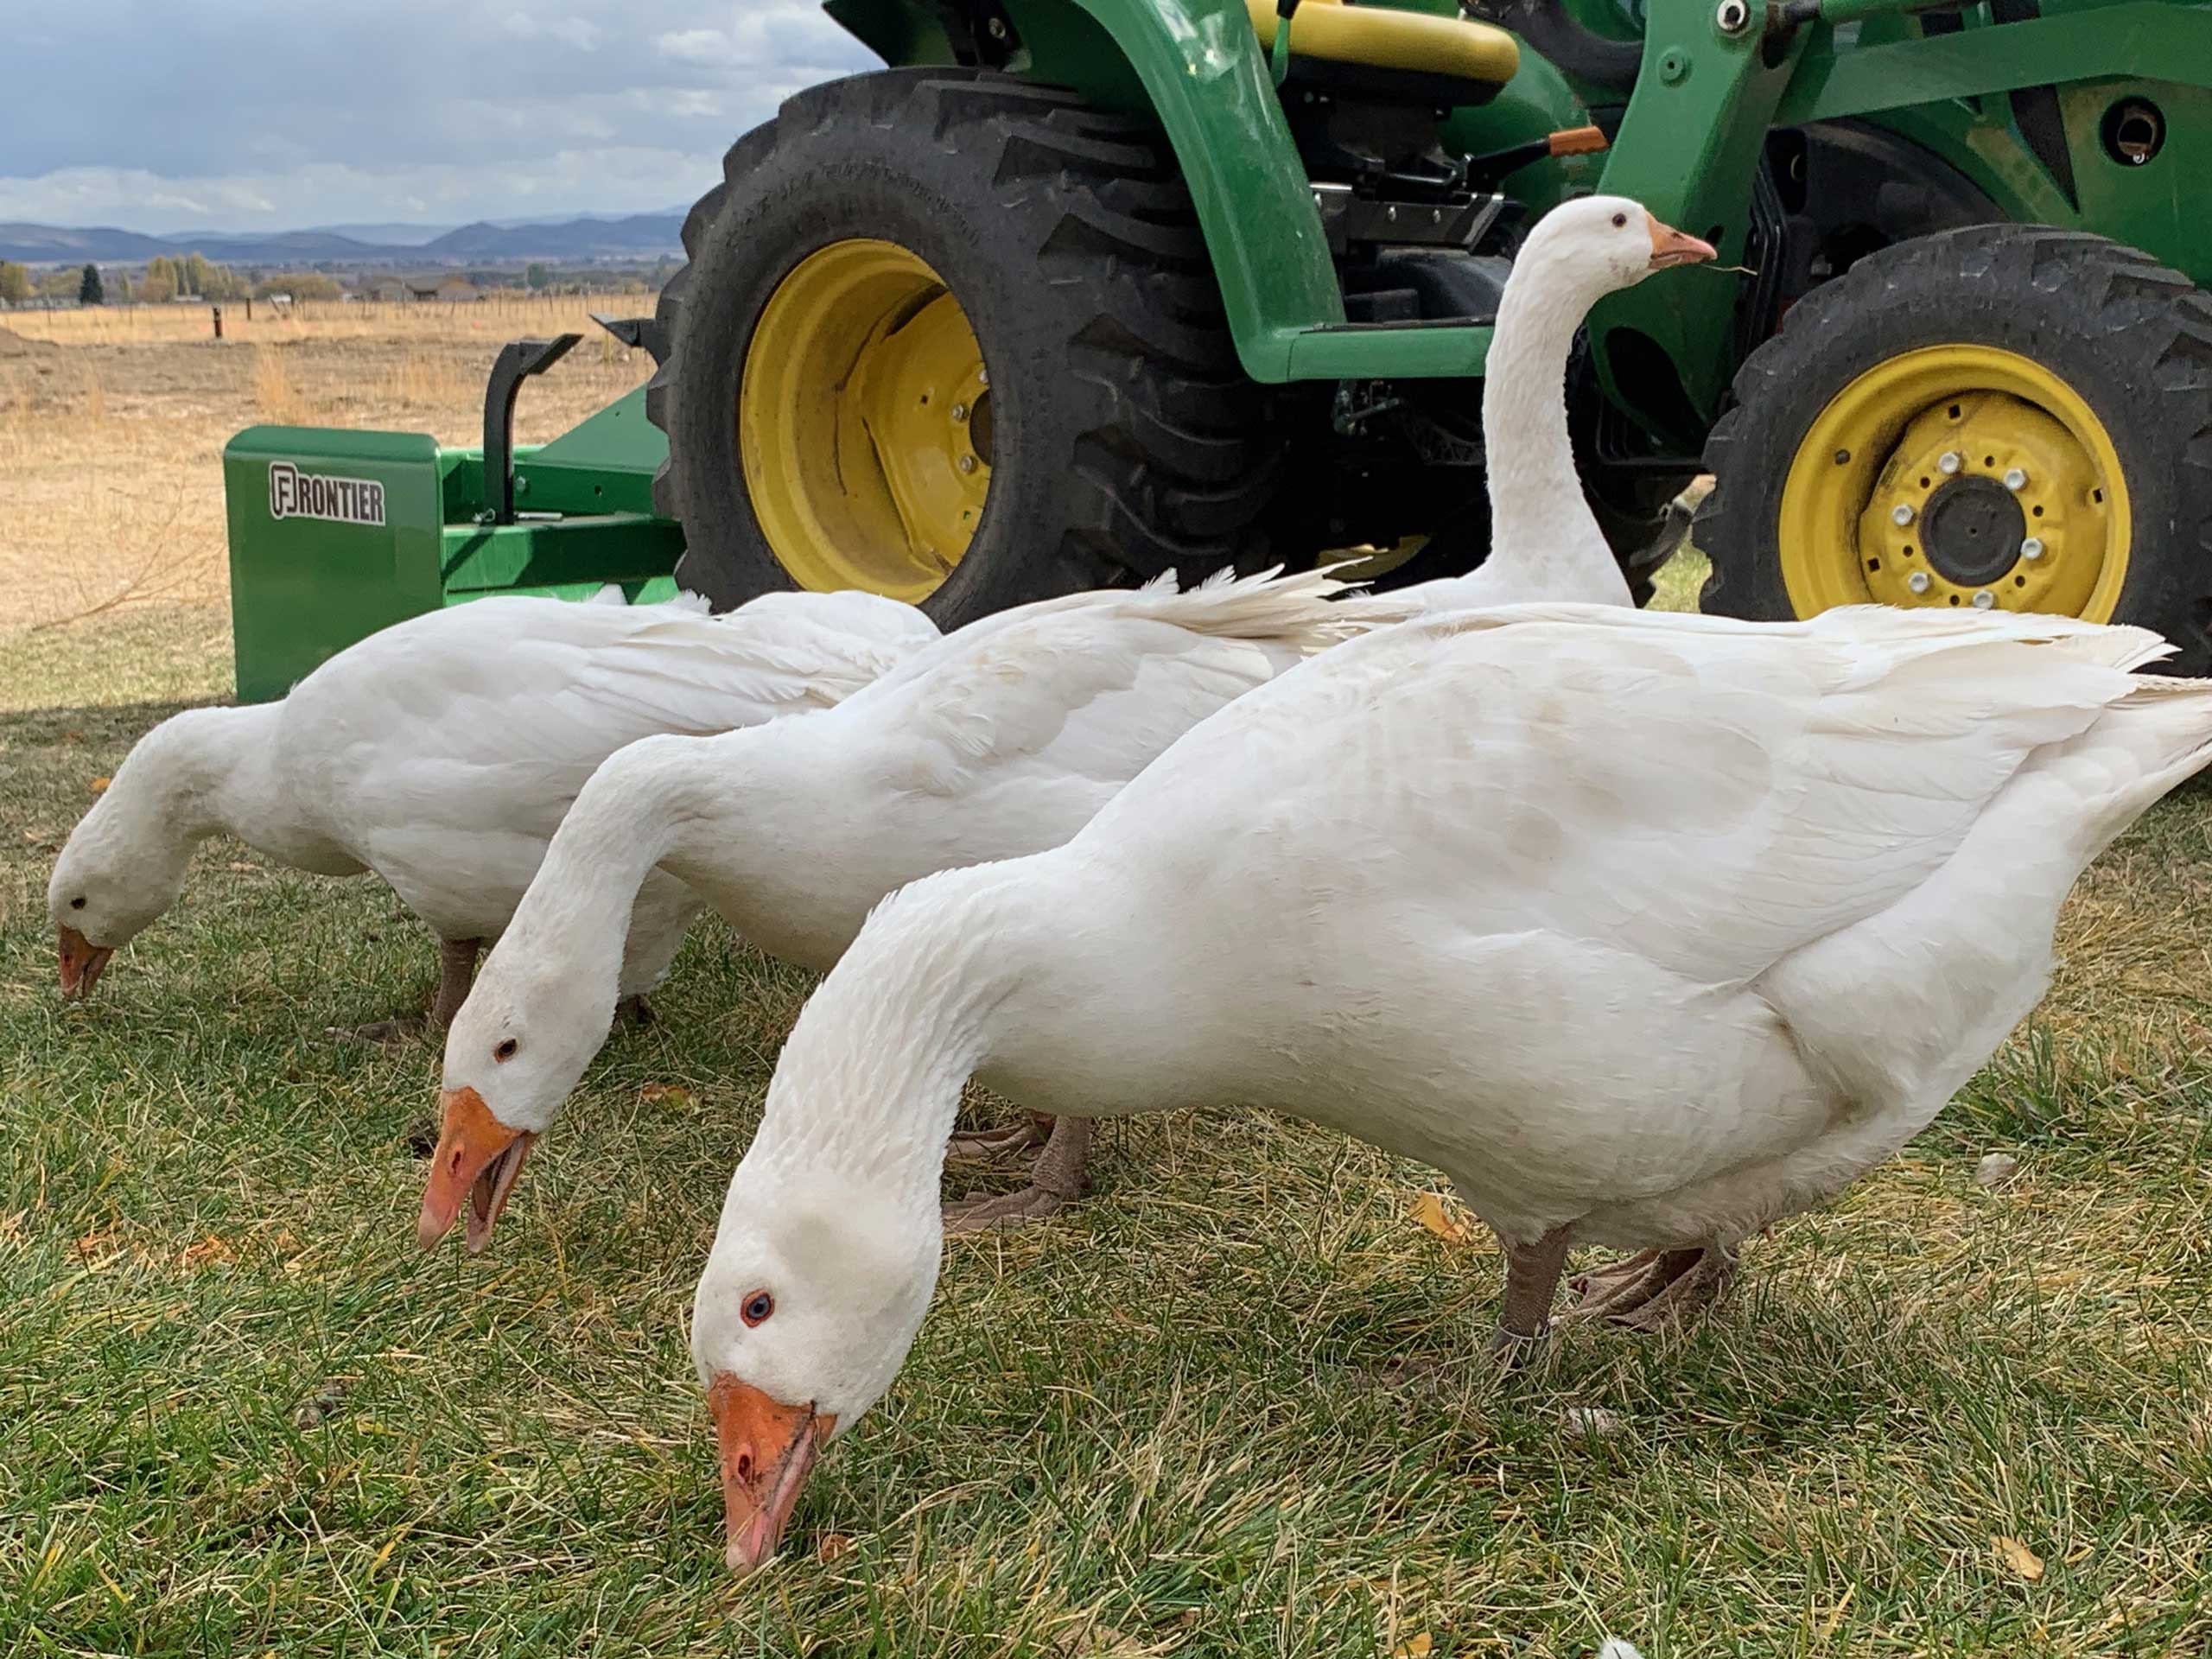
(518,359)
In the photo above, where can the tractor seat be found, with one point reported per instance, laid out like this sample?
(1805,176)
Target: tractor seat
(1373,51)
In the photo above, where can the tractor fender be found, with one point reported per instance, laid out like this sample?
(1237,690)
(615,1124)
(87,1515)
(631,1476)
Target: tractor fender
(1196,69)
(1208,85)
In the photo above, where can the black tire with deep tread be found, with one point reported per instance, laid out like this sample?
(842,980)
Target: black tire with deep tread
(1127,437)
(2132,338)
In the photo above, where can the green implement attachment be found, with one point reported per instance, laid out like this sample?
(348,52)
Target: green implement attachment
(335,534)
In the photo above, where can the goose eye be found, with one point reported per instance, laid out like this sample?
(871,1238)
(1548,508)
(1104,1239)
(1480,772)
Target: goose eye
(505,1050)
(758,1306)
(77,904)
(1620,221)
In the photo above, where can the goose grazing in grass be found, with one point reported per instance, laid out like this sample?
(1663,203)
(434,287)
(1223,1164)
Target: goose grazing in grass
(1004,740)
(1646,929)
(1545,542)
(440,754)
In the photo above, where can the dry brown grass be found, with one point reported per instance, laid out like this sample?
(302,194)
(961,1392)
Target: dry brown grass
(112,422)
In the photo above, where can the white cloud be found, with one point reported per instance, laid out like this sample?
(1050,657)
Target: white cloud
(695,46)
(579,32)
(617,179)
(232,118)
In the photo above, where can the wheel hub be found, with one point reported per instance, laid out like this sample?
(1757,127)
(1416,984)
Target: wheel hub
(1955,476)
(1973,531)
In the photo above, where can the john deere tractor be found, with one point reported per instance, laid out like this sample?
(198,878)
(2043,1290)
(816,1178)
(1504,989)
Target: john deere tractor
(1075,290)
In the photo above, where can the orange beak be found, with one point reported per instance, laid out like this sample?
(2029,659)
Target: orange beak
(767,1449)
(477,1160)
(81,963)
(1672,247)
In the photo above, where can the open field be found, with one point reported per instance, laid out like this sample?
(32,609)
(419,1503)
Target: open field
(1234,1405)
(112,422)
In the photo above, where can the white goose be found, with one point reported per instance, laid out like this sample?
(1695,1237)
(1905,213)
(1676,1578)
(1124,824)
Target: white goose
(1646,929)
(440,754)
(1545,542)
(1003,740)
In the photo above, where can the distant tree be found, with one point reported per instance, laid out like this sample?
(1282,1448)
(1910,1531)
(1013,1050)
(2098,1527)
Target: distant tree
(158,285)
(89,290)
(59,282)
(123,296)
(200,277)
(219,282)
(535,277)
(15,283)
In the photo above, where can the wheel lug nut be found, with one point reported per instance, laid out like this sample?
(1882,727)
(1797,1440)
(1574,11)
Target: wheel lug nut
(1917,581)
(2016,480)
(1983,599)
(960,411)
(967,463)
(2033,548)
(1950,463)
(1901,514)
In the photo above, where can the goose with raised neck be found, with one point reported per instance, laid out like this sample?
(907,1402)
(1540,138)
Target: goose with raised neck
(1545,542)
(1003,740)
(441,753)
(1691,924)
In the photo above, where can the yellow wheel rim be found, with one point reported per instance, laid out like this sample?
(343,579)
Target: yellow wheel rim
(1957,476)
(864,423)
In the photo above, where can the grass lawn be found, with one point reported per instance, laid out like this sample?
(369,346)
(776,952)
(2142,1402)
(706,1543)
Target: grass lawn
(1237,1405)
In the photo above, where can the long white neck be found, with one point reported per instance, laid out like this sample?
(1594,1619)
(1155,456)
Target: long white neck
(198,773)
(633,812)
(869,1082)
(1543,537)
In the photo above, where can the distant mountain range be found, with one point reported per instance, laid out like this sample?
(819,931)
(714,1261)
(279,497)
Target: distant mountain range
(639,236)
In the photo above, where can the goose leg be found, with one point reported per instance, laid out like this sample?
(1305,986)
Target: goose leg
(1057,1182)
(1524,1317)
(456,973)
(980,1145)
(1648,1292)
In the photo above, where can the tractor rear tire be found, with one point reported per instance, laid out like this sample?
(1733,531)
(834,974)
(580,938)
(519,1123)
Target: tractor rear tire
(1103,431)
(2004,414)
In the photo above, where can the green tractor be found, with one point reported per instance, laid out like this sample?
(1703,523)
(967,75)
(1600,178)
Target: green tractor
(1078,290)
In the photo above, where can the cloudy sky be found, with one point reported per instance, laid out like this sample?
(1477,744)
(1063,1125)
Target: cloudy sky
(252,115)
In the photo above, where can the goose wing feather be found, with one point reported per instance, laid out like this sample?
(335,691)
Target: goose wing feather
(489,717)
(1709,794)
(1093,687)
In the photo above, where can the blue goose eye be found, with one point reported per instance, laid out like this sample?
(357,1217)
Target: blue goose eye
(1620,221)
(505,1050)
(758,1306)
(77,904)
